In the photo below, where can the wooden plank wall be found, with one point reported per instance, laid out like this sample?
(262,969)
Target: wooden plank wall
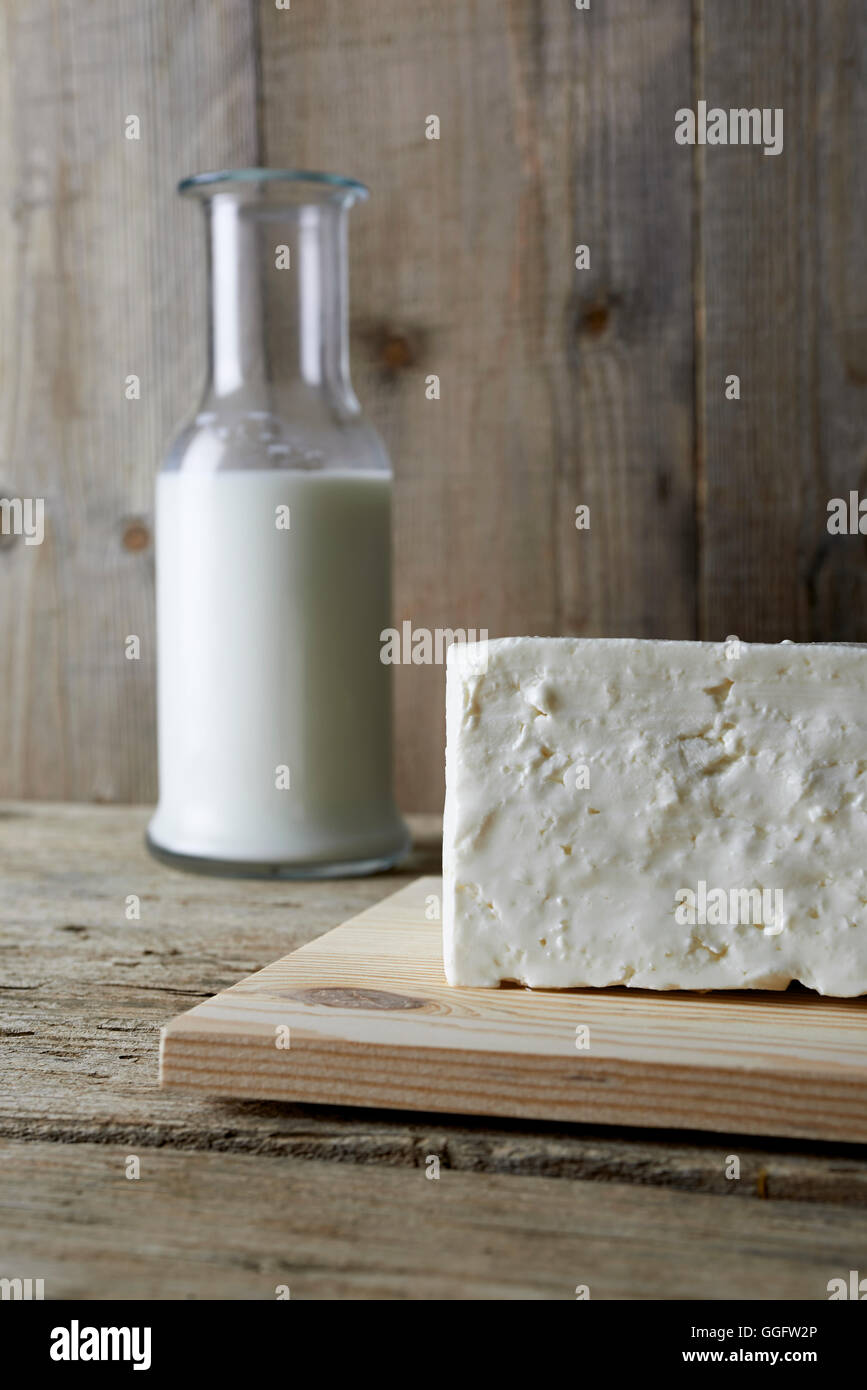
(559,387)
(99,280)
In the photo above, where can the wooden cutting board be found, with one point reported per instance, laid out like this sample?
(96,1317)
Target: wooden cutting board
(371,1021)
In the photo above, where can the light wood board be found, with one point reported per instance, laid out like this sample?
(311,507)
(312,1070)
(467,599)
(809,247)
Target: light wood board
(372,1022)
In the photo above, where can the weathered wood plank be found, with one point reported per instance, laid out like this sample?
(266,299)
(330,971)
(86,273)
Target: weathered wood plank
(101,278)
(784,284)
(836,567)
(230,1226)
(756,269)
(625,411)
(559,386)
(84,992)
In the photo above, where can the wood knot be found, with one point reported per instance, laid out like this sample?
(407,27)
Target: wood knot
(392,348)
(594,318)
(136,536)
(396,352)
(332,997)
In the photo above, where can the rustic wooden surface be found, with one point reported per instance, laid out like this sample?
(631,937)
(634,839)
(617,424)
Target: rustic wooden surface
(782,279)
(101,278)
(559,386)
(231,1226)
(373,1022)
(83,994)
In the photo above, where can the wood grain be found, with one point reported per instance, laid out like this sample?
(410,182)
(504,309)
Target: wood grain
(101,278)
(783,284)
(757,272)
(836,574)
(233,1226)
(373,1022)
(559,386)
(84,992)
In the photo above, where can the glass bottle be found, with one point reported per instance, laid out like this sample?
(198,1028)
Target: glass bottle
(273,559)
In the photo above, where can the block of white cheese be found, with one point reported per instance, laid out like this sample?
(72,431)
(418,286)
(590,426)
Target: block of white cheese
(664,815)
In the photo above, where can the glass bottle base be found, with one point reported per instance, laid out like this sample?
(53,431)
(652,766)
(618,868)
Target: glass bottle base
(227,868)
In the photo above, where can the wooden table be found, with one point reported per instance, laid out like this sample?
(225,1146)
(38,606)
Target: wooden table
(236,1198)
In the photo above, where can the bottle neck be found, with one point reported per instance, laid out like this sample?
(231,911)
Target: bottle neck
(278,299)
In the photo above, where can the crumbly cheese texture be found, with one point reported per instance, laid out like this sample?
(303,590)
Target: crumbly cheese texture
(593,784)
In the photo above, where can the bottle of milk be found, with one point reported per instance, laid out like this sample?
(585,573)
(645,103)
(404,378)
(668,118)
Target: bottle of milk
(273,559)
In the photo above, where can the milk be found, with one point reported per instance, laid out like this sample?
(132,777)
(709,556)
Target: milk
(274,706)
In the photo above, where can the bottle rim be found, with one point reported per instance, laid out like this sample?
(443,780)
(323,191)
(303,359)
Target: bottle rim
(212,181)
